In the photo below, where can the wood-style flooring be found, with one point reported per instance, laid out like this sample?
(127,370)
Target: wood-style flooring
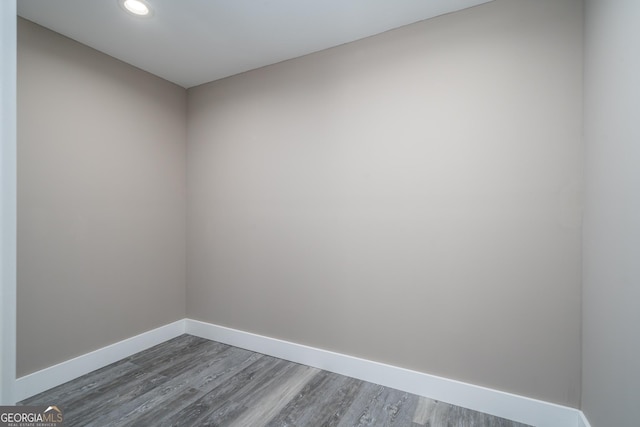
(191,381)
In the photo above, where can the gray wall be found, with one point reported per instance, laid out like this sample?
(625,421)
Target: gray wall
(7,198)
(413,198)
(101,200)
(611,295)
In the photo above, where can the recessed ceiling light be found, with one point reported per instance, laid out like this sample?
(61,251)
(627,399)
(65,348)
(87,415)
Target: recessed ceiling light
(137,7)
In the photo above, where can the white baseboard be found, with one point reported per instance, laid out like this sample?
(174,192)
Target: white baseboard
(506,405)
(52,376)
(582,420)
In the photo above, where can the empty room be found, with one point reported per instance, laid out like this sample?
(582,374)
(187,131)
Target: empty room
(330,213)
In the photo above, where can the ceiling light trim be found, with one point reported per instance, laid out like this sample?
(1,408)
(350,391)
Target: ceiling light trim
(137,8)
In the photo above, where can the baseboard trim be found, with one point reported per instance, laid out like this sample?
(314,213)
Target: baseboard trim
(582,420)
(506,405)
(42,380)
(518,408)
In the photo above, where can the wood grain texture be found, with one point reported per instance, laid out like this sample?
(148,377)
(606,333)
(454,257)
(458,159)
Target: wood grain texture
(191,381)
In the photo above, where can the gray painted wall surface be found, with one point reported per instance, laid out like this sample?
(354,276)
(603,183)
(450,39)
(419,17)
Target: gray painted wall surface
(101,200)
(412,198)
(611,290)
(8,187)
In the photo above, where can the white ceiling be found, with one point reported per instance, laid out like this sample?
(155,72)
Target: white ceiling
(190,42)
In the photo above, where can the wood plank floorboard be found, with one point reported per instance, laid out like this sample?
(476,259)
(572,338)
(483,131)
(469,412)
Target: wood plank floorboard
(192,382)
